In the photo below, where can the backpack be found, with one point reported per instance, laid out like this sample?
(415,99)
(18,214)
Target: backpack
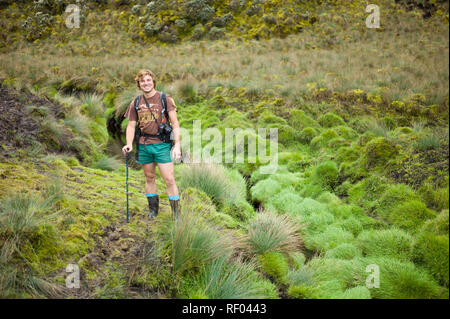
(165,115)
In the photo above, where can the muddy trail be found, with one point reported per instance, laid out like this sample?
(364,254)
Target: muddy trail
(124,254)
(128,251)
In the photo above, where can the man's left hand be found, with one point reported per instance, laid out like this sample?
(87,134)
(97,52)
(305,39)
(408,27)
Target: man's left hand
(176,151)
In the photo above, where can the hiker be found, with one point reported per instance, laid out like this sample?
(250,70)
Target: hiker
(152,143)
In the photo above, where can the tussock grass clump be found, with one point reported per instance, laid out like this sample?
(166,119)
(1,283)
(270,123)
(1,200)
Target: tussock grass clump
(393,196)
(435,198)
(311,191)
(438,225)
(389,242)
(185,91)
(78,84)
(265,189)
(91,105)
(200,204)
(99,134)
(330,238)
(297,259)
(285,202)
(123,101)
(56,162)
(55,135)
(410,215)
(302,276)
(310,206)
(326,174)
(317,222)
(403,280)
(287,179)
(367,191)
(323,139)
(344,251)
(222,185)
(379,151)
(300,283)
(425,142)
(352,171)
(432,251)
(345,211)
(20,283)
(78,124)
(194,244)
(379,128)
(29,244)
(333,276)
(107,163)
(268,118)
(301,292)
(329,198)
(402,130)
(352,224)
(221,279)
(330,120)
(269,233)
(301,121)
(348,154)
(307,134)
(360,292)
(275,265)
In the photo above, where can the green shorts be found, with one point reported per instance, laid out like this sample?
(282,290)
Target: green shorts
(159,153)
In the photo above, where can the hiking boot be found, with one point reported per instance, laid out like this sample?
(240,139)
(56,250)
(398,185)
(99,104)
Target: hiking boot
(175,206)
(153,205)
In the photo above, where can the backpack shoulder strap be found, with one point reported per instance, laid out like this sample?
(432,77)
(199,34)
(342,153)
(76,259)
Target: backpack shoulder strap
(136,103)
(164,108)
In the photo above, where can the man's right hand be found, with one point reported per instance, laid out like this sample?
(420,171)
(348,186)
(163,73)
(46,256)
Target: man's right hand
(127,149)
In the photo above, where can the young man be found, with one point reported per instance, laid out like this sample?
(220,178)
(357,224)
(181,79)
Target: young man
(152,150)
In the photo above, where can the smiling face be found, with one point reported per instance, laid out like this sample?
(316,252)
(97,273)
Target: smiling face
(146,84)
(145,80)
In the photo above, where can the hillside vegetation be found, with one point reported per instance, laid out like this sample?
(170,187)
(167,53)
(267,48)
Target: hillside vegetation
(362,117)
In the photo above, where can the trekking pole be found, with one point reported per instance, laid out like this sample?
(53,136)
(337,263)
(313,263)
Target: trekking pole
(127,157)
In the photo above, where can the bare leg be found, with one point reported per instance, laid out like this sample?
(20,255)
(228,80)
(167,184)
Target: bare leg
(167,174)
(149,172)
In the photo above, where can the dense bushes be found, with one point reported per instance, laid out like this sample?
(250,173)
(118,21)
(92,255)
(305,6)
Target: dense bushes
(166,20)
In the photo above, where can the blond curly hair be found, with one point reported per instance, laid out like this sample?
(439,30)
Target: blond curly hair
(141,75)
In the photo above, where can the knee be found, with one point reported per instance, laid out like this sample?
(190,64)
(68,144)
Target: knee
(170,181)
(150,179)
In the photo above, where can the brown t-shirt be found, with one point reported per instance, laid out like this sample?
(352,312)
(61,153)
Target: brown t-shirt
(149,118)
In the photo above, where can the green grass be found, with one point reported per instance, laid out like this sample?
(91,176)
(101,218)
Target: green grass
(92,105)
(219,183)
(269,232)
(222,280)
(107,163)
(404,280)
(194,244)
(30,243)
(430,141)
(392,242)
(331,237)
